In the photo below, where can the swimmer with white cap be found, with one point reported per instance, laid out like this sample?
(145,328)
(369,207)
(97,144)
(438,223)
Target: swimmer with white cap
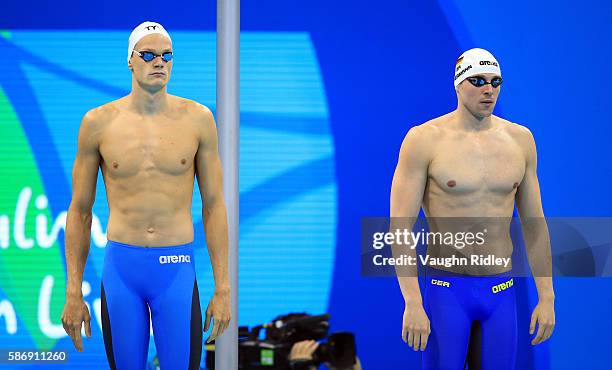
(470,165)
(149,57)
(478,81)
(150,146)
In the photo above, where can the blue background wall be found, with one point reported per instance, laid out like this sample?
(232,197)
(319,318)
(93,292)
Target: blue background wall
(387,66)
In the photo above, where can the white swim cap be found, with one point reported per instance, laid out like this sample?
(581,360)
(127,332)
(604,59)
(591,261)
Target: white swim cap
(142,30)
(475,62)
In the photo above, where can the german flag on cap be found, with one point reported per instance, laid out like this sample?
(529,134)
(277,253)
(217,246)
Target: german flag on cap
(458,64)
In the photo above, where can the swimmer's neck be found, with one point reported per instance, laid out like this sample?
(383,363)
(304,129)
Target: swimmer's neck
(466,121)
(146,102)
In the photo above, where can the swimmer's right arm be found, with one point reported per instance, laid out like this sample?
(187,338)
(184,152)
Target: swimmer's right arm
(78,226)
(407,189)
(78,221)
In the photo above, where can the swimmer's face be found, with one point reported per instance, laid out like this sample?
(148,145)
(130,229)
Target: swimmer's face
(156,73)
(480,101)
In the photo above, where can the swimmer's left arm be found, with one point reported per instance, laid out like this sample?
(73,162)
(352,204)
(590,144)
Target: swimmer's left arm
(214,214)
(537,240)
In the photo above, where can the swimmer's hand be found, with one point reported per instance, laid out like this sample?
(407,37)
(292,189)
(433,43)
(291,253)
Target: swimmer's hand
(415,326)
(544,315)
(74,314)
(220,312)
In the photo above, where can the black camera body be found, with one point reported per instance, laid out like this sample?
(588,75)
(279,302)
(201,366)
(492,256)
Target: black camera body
(272,353)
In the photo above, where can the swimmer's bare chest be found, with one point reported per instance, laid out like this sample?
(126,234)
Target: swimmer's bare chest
(474,174)
(144,149)
(148,166)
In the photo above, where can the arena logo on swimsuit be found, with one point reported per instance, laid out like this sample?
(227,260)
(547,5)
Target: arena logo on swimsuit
(503,286)
(182,258)
(440,283)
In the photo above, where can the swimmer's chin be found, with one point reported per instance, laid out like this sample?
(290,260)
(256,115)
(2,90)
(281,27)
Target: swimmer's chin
(155,80)
(153,85)
(485,113)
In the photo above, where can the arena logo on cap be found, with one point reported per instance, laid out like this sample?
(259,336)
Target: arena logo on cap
(149,28)
(488,63)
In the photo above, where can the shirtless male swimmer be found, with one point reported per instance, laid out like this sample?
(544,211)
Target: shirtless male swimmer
(470,163)
(149,145)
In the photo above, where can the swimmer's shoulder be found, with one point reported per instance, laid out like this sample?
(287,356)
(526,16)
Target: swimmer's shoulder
(106,113)
(421,139)
(198,115)
(97,119)
(428,132)
(439,125)
(192,108)
(521,134)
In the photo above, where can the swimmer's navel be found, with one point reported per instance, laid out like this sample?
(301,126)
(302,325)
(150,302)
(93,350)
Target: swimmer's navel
(150,230)
(451,183)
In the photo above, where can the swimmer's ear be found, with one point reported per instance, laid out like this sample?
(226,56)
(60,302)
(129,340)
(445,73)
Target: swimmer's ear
(130,65)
